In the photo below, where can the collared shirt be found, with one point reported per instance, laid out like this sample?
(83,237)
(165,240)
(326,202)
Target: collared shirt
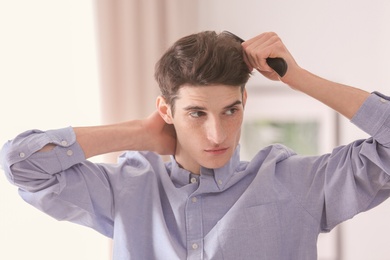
(272,207)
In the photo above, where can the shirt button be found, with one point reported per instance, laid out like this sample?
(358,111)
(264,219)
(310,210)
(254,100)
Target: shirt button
(219,182)
(64,143)
(193,180)
(383,100)
(195,246)
(22,155)
(194,199)
(69,152)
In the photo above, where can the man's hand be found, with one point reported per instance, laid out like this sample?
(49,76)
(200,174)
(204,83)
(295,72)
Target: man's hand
(267,45)
(161,136)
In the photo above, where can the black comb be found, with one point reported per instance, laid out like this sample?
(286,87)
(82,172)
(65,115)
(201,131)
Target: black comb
(277,64)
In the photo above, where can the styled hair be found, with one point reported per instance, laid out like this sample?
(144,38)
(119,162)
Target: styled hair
(201,59)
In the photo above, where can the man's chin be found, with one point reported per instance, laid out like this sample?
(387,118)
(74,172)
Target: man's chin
(215,164)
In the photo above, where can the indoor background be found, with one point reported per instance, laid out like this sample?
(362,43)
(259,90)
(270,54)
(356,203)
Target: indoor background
(84,62)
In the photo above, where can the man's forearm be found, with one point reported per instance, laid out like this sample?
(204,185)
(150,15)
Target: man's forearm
(96,140)
(344,99)
(149,134)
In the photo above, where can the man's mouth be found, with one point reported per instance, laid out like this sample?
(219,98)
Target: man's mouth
(216,151)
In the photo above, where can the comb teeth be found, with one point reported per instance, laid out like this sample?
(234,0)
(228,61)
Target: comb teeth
(234,36)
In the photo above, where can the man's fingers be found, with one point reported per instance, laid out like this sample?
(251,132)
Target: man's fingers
(261,47)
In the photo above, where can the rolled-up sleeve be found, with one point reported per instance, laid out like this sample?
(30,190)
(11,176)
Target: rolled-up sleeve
(26,145)
(374,118)
(59,182)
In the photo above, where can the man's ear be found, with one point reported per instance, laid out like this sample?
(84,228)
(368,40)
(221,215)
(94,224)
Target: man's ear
(164,110)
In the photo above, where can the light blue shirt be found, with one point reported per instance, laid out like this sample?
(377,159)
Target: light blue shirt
(272,207)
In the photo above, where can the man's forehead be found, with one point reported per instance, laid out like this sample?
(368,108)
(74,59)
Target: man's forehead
(221,95)
(209,90)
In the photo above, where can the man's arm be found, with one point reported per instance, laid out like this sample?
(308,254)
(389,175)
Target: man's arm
(344,99)
(150,134)
(63,184)
(352,178)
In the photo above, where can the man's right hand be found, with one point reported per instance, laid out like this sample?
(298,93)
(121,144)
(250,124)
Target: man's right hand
(161,136)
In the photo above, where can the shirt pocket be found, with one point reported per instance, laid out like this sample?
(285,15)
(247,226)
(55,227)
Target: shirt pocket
(250,233)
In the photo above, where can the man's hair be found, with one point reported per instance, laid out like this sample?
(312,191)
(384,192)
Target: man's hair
(201,59)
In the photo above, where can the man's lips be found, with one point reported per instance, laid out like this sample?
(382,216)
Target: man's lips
(216,150)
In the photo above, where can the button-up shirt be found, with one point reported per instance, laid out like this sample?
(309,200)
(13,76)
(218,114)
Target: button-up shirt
(272,207)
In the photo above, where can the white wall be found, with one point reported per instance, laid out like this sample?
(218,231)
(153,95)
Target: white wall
(48,80)
(346,41)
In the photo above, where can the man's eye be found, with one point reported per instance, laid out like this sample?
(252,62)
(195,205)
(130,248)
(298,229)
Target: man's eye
(231,111)
(197,114)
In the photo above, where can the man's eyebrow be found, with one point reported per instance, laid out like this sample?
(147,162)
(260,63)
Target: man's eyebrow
(238,102)
(188,108)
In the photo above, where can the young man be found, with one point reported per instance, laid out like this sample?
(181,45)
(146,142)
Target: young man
(206,203)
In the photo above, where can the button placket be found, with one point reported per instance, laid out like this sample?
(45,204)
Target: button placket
(194,227)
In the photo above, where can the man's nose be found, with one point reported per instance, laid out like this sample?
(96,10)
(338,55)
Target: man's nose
(216,132)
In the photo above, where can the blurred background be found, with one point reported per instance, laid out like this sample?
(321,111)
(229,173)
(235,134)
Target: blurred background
(84,62)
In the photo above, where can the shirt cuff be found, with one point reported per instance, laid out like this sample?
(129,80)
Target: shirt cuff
(27,144)
(373,117)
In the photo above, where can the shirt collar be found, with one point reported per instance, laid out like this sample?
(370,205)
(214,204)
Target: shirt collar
(181,177)
(223,174)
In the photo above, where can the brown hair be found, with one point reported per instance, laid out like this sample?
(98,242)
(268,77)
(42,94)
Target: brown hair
(201,59)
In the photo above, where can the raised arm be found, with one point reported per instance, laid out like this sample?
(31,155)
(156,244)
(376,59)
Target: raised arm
(150,134)
(344,99)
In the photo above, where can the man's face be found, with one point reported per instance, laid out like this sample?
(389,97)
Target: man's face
(207,121)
